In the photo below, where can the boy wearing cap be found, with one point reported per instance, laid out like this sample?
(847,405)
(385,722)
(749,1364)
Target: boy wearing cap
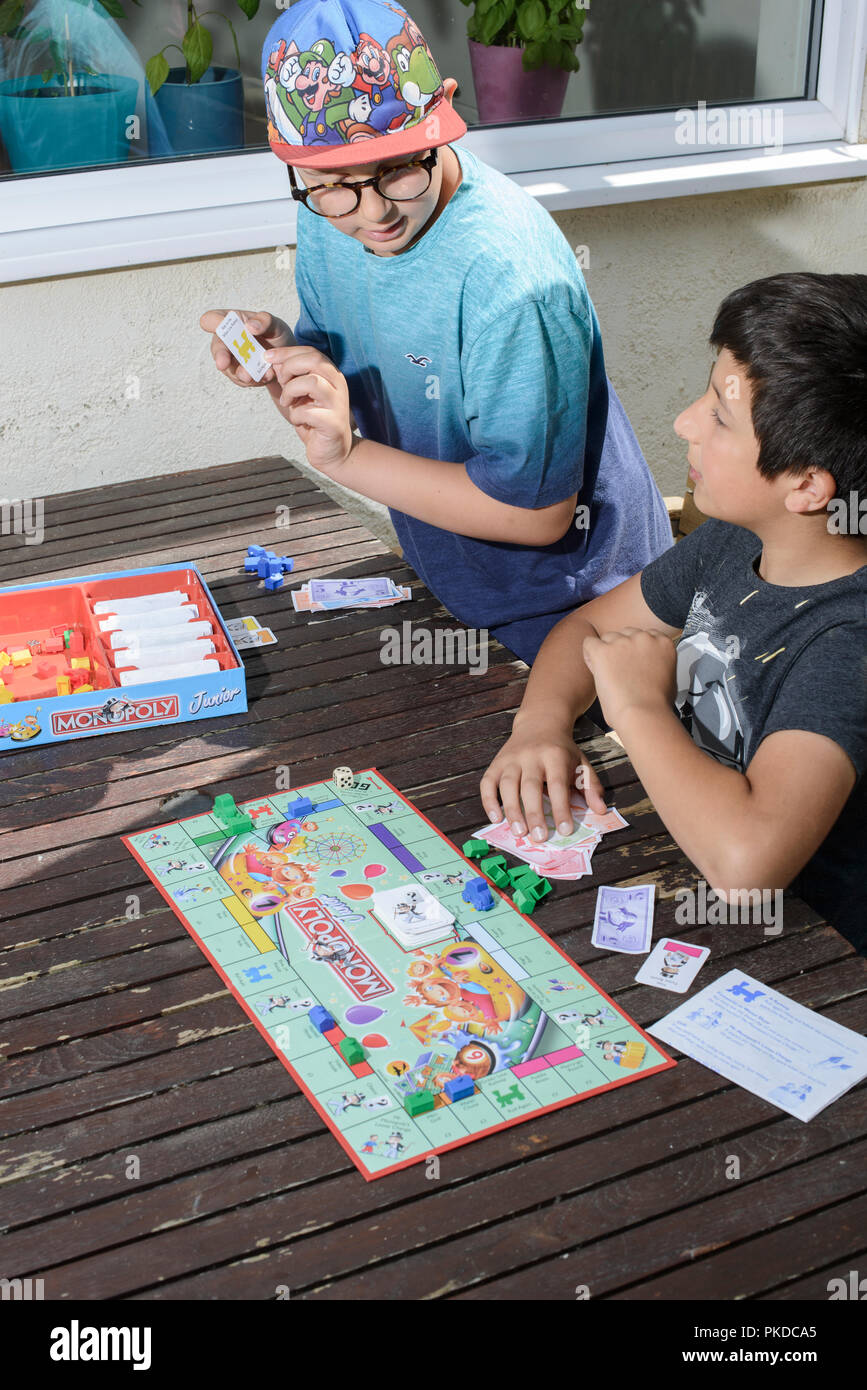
(452,320)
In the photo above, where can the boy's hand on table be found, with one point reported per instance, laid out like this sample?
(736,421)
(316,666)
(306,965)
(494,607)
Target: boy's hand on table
(538,758)
(269,331)
(315,399)
(633,670)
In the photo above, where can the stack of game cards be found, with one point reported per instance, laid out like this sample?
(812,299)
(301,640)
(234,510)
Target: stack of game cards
(246,632)
(560,856)
(412,915)
(321,595)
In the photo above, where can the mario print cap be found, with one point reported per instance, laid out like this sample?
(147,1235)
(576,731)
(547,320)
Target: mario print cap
(352,82)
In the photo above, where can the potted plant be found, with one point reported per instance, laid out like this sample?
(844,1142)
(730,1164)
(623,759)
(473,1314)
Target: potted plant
(202,106)
(65,114)
(522,52)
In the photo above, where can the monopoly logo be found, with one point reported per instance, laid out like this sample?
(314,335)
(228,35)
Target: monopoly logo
(333,947)
(115,713)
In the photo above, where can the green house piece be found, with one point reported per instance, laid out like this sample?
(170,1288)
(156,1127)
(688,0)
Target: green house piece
(418,1103)
(475,849)
(351,1050)
(226,812)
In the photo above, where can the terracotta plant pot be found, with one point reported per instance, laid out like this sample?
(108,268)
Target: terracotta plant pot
(505,92)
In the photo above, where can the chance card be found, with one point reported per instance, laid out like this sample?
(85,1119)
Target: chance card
(672,965)
(243,346)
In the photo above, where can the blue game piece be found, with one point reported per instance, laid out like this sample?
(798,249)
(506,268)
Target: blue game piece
(321,1019)
(301,806)
(251,565)
(255,550)
(272,582)
(268,564)
(459,1087)
(478,893)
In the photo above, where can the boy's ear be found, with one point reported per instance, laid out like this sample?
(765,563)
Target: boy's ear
(811,492)
(450,86)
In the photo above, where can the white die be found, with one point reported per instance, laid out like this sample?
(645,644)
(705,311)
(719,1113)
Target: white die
(342,777)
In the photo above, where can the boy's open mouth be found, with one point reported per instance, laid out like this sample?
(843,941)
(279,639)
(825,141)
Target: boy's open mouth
(386,233)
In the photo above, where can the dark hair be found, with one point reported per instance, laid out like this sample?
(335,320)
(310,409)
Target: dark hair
(802,340)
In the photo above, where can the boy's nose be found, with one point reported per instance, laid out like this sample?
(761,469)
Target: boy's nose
(684,426)
(374,206)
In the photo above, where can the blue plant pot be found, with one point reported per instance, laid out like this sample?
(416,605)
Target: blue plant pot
(203,116)
(65,132)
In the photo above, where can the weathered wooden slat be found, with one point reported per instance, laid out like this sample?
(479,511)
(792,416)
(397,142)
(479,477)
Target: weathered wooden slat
(210,544)
(662,1241)
(225,522)
(816,1286)
(191,482)
(177,498)
(443,1250)
(753,1269)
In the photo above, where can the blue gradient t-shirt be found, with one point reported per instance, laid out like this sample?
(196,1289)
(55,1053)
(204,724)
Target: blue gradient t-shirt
(480,346)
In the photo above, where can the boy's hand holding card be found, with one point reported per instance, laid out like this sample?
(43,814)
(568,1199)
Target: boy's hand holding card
(239,343)
(539,756)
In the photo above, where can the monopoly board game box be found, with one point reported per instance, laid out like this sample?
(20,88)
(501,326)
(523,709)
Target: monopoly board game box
(113,651)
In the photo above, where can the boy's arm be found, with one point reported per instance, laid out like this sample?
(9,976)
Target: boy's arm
(443,495)
(541,750)
(525,412)
(742,831)
(311,394)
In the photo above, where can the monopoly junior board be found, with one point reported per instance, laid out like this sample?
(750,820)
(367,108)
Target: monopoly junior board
(308,918)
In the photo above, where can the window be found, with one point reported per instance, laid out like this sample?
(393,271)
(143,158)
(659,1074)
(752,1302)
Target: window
(76,78)
(670,97)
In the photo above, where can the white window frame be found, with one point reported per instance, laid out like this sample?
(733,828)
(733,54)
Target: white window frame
(61,224)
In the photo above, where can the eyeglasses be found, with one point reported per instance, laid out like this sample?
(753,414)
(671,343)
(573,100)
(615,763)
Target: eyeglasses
(400,184)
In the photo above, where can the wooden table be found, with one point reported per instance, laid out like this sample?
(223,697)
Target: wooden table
(119,1041)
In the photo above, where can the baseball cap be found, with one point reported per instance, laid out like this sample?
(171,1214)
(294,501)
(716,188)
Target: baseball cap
(352,82)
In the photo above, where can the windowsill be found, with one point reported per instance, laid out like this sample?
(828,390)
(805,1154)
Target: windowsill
(215,228)
(644,179)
